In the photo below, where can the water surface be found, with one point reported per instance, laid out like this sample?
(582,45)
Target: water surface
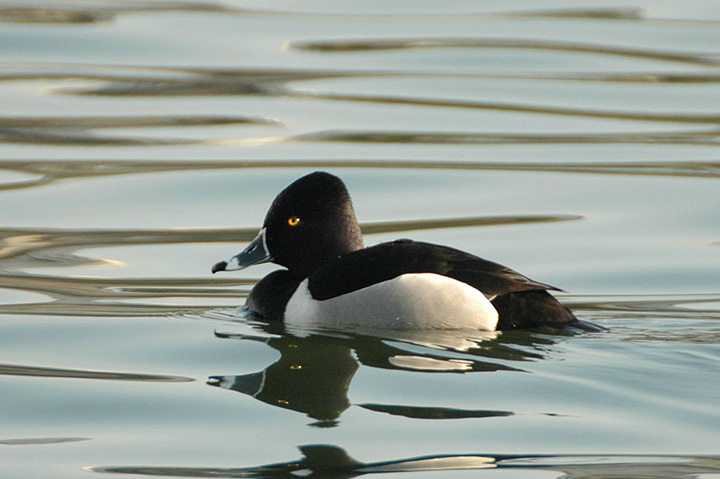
(143,141)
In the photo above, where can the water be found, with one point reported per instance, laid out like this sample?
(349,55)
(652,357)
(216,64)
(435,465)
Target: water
(143,141)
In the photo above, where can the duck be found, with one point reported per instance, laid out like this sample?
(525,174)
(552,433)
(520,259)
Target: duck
(330,279)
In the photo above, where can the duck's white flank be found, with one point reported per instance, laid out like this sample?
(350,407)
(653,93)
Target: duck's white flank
(410,301)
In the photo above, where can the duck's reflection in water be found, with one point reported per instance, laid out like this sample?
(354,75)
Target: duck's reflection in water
(314,371)
(333,462)
(312,377)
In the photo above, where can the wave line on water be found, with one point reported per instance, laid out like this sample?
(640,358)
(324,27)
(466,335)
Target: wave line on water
(18,370)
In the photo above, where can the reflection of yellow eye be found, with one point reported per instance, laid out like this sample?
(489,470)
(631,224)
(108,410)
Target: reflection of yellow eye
(293,221)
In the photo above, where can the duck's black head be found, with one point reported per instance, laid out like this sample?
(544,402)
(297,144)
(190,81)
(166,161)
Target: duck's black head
(310,221)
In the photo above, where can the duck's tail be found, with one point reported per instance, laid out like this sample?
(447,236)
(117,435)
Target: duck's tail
(535,309)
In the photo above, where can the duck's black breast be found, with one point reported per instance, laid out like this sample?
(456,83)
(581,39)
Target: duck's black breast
(270,295)
(368,266)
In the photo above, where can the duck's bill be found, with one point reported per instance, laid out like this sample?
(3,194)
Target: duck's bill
(256,253)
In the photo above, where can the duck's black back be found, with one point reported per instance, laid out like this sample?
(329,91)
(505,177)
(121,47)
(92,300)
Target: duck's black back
(520,301)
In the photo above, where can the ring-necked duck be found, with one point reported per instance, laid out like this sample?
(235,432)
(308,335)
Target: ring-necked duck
(333,280)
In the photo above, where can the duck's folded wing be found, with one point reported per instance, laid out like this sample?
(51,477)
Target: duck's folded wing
(362,268)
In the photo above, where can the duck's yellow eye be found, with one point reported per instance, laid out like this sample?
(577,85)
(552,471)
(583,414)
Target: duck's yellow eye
(293,221)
